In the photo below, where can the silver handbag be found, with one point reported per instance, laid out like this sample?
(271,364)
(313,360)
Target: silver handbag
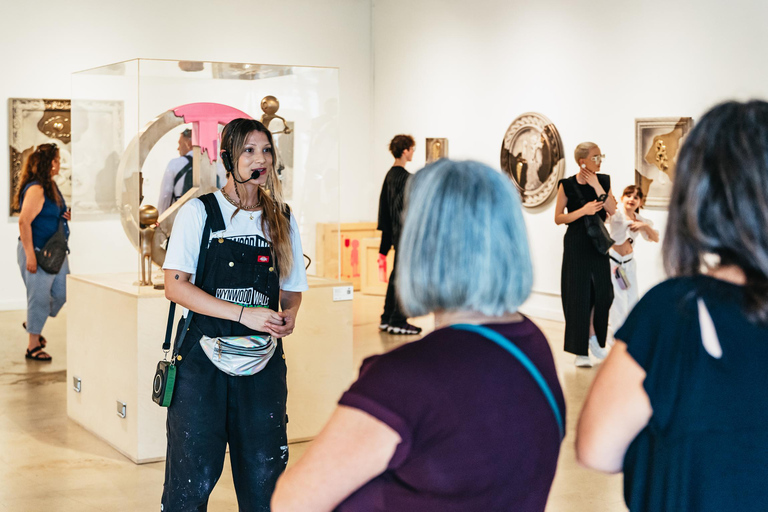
(239,355)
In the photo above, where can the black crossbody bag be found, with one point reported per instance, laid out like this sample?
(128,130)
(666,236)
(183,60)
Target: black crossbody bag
(596,229)
(165,375)
(51,257)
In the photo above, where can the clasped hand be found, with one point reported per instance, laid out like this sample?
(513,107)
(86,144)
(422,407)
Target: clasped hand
(278,324)
(592,207)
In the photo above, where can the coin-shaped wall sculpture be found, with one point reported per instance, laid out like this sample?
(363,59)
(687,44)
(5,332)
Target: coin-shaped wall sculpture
(532,156)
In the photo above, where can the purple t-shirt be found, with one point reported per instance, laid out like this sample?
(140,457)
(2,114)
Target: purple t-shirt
(477,432)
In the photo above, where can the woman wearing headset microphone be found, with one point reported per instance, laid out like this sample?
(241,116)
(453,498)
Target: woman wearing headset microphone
(231,378)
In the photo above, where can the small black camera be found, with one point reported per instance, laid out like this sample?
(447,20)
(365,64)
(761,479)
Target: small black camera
(162,385)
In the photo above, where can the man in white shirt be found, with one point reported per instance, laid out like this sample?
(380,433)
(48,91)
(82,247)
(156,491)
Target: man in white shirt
(177,174)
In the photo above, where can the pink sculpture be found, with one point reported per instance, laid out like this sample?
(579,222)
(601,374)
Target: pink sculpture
(205,119)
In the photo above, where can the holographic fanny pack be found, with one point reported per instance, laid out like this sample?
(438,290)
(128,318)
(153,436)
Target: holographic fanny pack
(239,355)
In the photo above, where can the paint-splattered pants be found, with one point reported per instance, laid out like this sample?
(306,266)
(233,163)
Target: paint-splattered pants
(211,409)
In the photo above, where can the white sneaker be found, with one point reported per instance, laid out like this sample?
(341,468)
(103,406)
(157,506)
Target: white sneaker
(583,362)
(594,347)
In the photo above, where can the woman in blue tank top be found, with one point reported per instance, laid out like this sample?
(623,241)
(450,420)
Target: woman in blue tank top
(42,209)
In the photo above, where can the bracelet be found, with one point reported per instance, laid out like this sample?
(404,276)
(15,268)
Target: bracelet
(242,308)
(602,197)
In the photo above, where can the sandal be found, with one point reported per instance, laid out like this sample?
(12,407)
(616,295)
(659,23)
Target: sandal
(38,354)
(43,341)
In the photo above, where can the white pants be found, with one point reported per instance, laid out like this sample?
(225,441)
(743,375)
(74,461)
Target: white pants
(623,300)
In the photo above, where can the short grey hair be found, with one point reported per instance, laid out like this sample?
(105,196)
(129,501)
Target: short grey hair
(582,150)
(464,244)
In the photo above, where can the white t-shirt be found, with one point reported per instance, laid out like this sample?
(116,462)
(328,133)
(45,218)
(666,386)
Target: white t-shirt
(619,227)
(184,245)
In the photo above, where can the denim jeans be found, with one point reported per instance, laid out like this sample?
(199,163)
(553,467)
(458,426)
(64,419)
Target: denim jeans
(46,293)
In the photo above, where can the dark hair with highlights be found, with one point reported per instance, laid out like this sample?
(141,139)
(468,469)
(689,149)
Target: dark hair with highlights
(37,167)
(274,222)
(719,202)
(400,143)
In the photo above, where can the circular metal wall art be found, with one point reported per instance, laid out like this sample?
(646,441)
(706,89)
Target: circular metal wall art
(532,157)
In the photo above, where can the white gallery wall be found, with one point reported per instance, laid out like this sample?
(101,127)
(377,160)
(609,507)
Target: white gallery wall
(464,70)
(43,42)
(461,70)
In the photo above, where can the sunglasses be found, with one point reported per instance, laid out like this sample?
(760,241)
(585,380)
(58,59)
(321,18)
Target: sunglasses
(598,158)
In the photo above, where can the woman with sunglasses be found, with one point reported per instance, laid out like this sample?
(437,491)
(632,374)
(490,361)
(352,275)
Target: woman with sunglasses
(42,208)
(585,282)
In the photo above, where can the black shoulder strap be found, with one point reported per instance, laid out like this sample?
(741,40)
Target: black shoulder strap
(184,170)
(213,211)
(578,193)
(198,277)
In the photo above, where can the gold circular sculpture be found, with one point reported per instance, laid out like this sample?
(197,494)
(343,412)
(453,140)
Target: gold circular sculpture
(532,157)
(128,185)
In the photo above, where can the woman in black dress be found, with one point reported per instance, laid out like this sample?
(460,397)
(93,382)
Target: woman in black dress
(585,282)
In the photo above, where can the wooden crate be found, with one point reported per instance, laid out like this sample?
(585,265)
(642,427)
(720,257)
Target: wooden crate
(349,236)
(369,270)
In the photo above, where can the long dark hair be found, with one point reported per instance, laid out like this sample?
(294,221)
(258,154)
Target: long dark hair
(37,167)
(274,222)
(719,202)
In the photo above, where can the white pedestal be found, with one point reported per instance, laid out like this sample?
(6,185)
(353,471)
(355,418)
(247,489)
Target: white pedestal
(114,336)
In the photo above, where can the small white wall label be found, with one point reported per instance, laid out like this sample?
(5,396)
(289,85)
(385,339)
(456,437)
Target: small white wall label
(342,293)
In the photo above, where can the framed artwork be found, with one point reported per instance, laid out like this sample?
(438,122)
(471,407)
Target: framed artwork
(436,149)
(657,144)
(532,157)
(32,122)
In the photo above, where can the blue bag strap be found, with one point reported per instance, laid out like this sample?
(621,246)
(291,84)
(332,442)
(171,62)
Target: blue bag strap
(524,360)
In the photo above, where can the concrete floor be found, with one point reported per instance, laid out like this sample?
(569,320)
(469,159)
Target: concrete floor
(48,463)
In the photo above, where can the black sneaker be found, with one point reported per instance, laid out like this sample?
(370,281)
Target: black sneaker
(403,328)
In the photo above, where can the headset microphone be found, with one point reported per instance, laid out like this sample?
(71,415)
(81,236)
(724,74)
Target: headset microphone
(254,175)
(226,160)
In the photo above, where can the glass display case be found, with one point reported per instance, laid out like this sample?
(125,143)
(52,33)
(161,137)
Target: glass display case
(127,119)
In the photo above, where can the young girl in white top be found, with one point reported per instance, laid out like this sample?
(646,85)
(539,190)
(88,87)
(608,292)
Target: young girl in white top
(625,225)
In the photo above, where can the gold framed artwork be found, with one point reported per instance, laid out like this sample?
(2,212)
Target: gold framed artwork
(436,149)
(32,122)
(657,144)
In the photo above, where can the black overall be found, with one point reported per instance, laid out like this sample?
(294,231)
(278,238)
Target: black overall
(211,409)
